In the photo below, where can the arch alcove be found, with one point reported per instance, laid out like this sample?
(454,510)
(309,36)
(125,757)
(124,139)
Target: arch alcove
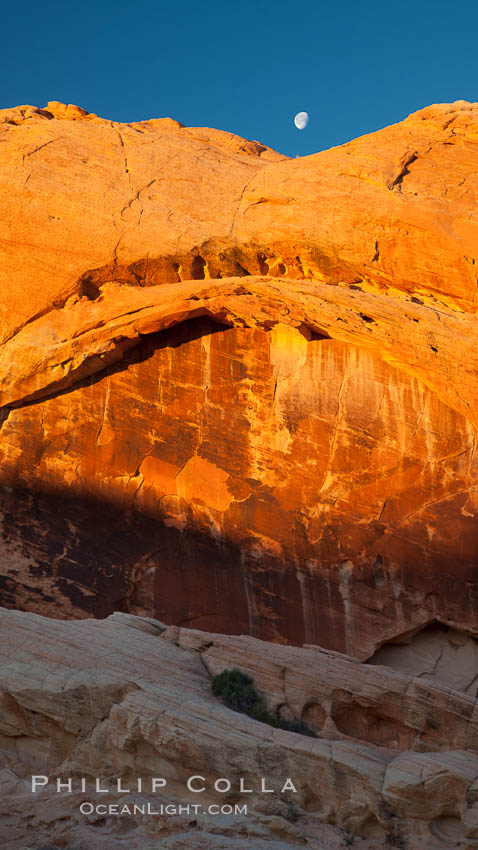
(270,481)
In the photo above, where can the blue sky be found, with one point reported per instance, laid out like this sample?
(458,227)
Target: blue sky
(244,65)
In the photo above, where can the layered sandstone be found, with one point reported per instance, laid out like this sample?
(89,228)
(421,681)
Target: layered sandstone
(394,763)
(239,391)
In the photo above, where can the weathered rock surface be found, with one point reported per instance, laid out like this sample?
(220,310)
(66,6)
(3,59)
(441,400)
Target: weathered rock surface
(436,652)
(240,391)
(121,698)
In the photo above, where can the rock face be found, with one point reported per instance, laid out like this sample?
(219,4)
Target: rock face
(394,763)
(240,391)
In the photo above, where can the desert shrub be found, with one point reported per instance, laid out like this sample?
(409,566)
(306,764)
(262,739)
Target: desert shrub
(297,726)
(237,691)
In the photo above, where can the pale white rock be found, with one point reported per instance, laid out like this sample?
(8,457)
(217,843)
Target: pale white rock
(112,698)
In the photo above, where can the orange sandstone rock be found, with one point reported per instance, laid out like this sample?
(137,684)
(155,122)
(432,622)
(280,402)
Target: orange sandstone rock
(240,391)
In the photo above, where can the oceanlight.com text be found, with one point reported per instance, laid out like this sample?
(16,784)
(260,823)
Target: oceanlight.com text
(170,809)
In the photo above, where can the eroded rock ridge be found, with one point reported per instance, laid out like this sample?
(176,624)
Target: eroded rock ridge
(239,391)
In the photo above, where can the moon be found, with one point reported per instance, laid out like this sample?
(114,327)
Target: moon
(301,120)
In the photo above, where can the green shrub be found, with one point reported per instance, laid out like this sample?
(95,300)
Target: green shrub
(237,691)
(297,726)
